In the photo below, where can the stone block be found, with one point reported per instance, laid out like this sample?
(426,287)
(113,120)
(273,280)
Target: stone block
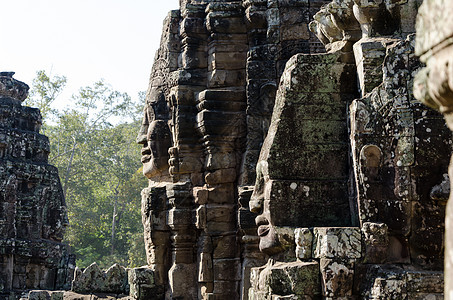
(317,161)
(430,282)
(273,34)
(116,279)
(285,236)
(299,278)
(425,296)
(75,296)
(427,237)
(304,243)
(246,219)
(217,228)
(293,3)
(336,277)
(389,288)
(295,32)
(290,48)
(38,295)
(200,215)
(375,242)
(192,27)
(225,78)
(190,59)
(139,278)
(91,279)
(261,69)
(227,60)
(227,269)
(225,246)
(178,217)
(255,277)
(200,195)
(337,242)
(182,279)
(192,77)
(229,289)
(398,250)
(216,23)
(304,197)
(221,194)
(221,176)
(287,297)
(231,106)
(220,212)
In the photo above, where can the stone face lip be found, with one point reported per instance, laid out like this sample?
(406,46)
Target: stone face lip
(10,87)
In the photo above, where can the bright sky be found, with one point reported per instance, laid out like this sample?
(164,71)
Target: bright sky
(84,40)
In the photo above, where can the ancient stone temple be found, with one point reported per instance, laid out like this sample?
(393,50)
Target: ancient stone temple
(287,156)
(32,208)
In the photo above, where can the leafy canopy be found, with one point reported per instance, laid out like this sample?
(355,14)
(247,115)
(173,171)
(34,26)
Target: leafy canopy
(93,145)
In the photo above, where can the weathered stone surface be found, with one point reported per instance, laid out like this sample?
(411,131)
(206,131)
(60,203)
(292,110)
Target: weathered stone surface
(433,87)
(247,135)
(142,284)
(389,135)
(304,243)
(331,242)
(336,277)
(375,242)
(94,280)
(32,207)
(299,278)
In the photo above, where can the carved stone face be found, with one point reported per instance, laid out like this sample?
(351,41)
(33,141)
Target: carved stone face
(155,136)
(259,203)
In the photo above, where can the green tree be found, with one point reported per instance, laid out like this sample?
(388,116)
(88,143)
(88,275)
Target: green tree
(44,91)
(93,146)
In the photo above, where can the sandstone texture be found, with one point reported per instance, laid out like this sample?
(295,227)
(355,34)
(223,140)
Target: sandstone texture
(433,86)
(32,207)
(287,156)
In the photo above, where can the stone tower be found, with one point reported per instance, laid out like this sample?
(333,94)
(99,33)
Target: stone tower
(287,156)
(32,207)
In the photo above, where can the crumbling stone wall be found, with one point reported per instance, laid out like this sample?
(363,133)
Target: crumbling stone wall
(32,208)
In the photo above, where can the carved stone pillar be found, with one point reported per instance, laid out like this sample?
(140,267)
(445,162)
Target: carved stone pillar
(156,231)
(182,274)
(186,157)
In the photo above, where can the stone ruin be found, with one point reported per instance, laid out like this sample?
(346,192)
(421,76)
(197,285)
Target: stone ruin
(287,156)
(32,207)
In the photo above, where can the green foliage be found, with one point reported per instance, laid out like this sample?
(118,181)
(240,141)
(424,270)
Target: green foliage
(43,92)
(93,146)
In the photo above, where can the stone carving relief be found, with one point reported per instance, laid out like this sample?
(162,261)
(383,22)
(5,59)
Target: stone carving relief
(279,168)
(32,207)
